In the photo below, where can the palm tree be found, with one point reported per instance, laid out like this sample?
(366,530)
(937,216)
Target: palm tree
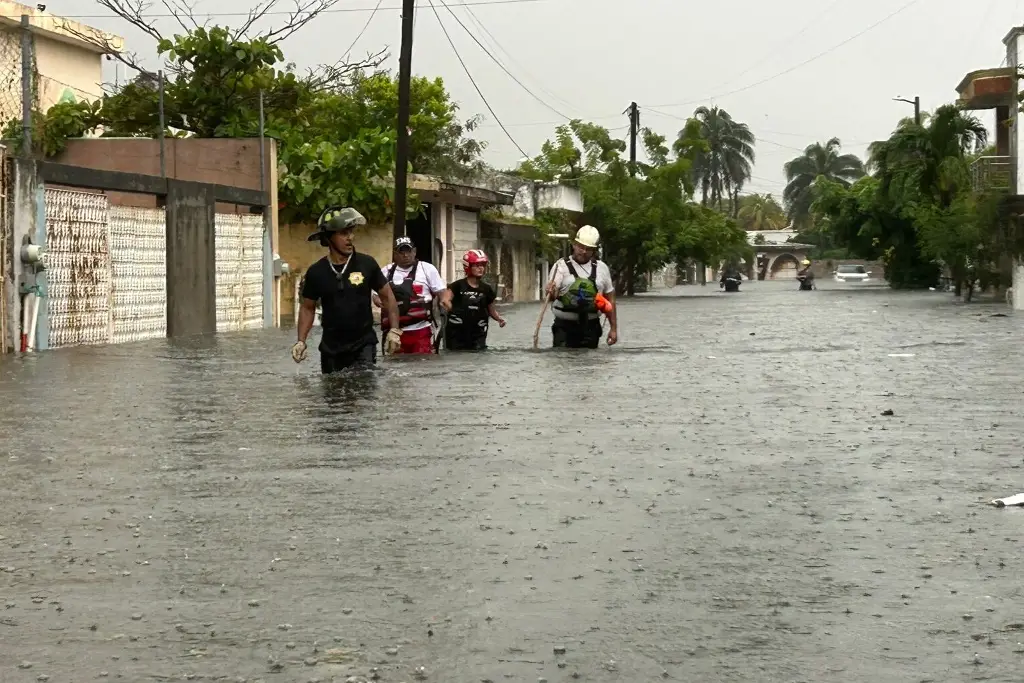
(761,212)
(725,164)
(803,172)
(932,158)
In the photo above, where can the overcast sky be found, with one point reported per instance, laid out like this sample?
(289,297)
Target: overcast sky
(795,71)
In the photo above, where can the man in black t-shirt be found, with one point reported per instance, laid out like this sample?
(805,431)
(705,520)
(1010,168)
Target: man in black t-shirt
(472,306)
(341,283)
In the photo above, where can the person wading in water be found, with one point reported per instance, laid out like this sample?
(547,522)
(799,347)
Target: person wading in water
(414,283)
(578,287)
(472,306)
(342,282)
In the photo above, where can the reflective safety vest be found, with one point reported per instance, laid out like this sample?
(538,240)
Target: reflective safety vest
(409,295)
(581,297)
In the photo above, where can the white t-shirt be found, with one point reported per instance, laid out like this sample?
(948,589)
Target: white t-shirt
(428,282)
(564,278)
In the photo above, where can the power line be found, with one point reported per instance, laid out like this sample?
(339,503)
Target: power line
(816,57)
(476,20)
(472,80)
(761,139)
(787,42)
(333,10)
(497,61)
(363,30)
(559,123)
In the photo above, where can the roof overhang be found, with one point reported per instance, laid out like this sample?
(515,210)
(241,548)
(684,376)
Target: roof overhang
(987,88)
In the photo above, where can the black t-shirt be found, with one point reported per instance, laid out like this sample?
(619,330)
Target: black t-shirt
(469,305)
(344,296)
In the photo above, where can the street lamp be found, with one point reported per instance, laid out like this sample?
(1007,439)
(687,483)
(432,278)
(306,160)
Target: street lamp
(917,107)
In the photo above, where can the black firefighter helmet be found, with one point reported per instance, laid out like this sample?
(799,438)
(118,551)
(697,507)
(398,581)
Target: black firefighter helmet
(335,219)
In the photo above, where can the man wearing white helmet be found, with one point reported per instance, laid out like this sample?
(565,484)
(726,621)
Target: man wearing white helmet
(581,288)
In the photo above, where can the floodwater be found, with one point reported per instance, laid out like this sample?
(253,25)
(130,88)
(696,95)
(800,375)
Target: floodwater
(717,498)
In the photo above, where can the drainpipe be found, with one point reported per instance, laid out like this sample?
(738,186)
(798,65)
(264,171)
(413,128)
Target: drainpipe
(32,257)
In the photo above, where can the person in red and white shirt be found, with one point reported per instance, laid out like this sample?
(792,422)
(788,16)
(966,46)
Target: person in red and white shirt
(415,285)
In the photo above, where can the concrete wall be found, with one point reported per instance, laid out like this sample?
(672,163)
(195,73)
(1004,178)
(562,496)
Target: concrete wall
(67,72)
(190,238)
(223,161)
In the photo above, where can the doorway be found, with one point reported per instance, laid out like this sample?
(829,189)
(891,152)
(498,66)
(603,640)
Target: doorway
(421,229)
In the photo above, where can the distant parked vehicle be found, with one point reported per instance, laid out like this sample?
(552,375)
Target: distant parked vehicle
(851,273)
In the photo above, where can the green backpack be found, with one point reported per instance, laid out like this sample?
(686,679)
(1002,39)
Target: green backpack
(582,294)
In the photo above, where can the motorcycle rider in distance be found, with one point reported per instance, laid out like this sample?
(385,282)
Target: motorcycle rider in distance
(806,276)
(731,278)
(472,306)
(580,286)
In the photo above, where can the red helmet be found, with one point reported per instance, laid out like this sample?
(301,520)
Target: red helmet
(473,257)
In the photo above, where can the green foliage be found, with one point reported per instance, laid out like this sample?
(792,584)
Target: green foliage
(761,212)
(645,221)
(818,163)
(920,212)
(50,131)
(724,160)
(335,128)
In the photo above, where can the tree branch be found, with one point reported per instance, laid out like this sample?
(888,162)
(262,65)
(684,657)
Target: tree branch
(105,42)
(305,11)
(333,77)
(132,12)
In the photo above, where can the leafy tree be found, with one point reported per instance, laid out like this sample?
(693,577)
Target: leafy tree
(645,221)
(725,164)
(761,212)
(921,210)
(335,126)
(51,130)
(803,172)
(862,218)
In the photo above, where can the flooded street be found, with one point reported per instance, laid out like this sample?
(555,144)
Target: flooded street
(717,498)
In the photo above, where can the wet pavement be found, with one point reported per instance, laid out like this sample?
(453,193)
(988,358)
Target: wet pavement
(718,498)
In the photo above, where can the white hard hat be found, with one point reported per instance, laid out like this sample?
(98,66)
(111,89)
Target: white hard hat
(588,236)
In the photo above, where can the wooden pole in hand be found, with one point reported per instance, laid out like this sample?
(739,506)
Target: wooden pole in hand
(543,310)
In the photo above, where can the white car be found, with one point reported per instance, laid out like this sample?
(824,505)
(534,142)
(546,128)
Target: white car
(851,273)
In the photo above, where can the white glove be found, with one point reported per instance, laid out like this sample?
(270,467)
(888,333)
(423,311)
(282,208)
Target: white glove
(299,351)
(393,342)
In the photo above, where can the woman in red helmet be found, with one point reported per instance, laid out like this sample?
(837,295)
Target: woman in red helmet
(472,306)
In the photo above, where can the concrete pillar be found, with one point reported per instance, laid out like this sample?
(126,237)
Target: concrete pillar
(1014,42)
(269,282)
(191,260)
(25,195)
(1003,131)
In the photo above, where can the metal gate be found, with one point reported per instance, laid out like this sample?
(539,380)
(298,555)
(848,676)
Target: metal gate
(78,268)
(239,249)
(138,249)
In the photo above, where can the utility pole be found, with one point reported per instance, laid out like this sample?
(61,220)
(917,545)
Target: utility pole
(634,128)
(26,87)
(917,107)
(402,148)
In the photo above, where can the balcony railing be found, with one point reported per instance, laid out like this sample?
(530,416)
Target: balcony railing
(993,174)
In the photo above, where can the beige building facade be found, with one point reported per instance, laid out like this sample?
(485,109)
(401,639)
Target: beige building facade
(68,59)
